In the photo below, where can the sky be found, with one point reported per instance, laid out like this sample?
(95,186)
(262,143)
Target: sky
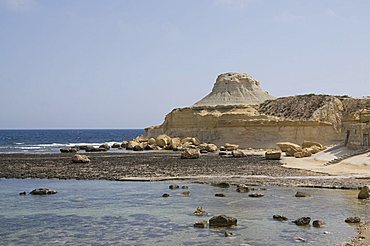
(127,63)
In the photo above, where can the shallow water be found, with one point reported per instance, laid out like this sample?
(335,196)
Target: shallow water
(134,213)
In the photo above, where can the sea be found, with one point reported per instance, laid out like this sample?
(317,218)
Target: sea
(50,141)
(99,212)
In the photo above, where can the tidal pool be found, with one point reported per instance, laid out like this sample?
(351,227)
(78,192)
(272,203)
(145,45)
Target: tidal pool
(135,213)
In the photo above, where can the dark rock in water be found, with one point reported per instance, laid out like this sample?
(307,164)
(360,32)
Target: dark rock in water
(22,193)
(353,220)
(219,195)
(43,191)
(256,195)
(104,146)
(364,193)
(174,187)
(279,217)
(199,211)
(69,150)
(222,221)
(116,145)
(228,234)
(301,194)
(201,224)
(242,188)
(165,195)
(222,185)
(80,159)
(185,187)
(303,221)
(318,223)
(185,193)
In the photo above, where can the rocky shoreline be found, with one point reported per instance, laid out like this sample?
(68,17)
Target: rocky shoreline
(157,166)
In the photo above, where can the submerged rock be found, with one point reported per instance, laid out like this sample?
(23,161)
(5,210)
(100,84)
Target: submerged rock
(256,195)
(279,217)
(199,211)
(219,195)
(353,220)
(228,234)
(221,185)
(173,186)
(201,224)
(318,223)
(166,195)
(222,221)
(43,191)
(242,188)
(303,221)
(22,193)
(301,194)
(364,193)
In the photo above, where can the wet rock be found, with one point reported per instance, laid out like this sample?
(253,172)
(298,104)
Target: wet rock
(228,234)
(221,185)
(256,195)
(201,224)
(22,193)
(219,195)
(80,159)
(238,154)
(166,195)
(69,150)
(303,221)
(222,221)
(231,147)
(301,194)
(353,220)
(185,187)
(279,217)
(199,211)
(273,155)
(173,187)
(318,223)
(105,147)
(190,154)
(364,193)
(185,193)
(116,145)
(300,239)
(43,191)
(242,188)
(138,147)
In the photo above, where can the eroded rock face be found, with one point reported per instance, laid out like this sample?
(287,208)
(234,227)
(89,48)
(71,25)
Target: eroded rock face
(234,89)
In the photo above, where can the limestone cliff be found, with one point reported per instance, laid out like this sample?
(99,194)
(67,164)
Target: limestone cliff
(234,89)
(238,111)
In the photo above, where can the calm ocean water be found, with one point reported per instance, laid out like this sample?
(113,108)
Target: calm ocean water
(135,213)
(46,141)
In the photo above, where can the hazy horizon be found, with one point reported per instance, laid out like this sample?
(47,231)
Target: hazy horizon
(126,64)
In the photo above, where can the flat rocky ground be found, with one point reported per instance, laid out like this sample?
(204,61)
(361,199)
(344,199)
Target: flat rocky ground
(250,170)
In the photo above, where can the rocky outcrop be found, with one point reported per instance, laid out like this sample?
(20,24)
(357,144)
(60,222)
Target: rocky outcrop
(234,89)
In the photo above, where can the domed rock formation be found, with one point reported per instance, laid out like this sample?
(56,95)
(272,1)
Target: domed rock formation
(234,89)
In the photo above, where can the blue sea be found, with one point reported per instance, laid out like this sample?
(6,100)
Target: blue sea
(50,141)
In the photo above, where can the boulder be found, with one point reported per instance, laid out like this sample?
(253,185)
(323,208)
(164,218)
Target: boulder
(104,146)
(201,224)
(124,144)
(301,154)
(43,191)
(149,147)
(131,144)
(139,147)
(301,194)
(222,221)
(190,154)
(273,155)
(364,193)
(166,195)
(242,188)
(90,148)
(313,149)
(221,185)
(256,195)
(279,217)
(151,141)
(211,147)
(308,144)
(318,223)
(141,139)
(185,193)
(231,147)
(353,220)
(69,150)
(116,145)
(199,211)
(175,143)
(185,187)
(173,186)
(190,140)
(238,153)
(303,221)
(163,140)
(284,146)
(80,159)
(219,195)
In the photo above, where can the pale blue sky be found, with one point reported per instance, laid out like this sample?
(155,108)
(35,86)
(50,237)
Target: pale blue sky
(125,64)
